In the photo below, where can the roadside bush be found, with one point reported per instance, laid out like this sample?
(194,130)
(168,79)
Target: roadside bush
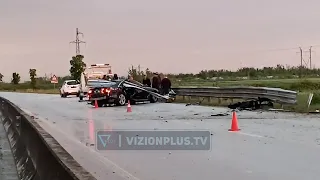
(22,86)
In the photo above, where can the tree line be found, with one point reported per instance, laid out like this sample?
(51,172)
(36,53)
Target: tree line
(77,67)
(279,71)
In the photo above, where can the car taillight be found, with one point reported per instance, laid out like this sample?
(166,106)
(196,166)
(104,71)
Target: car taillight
(90,92)
(105,90)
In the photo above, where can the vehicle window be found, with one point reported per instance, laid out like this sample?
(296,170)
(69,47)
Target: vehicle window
(136,82)
(110,84)
(90,83)
(104,83)
(72,83)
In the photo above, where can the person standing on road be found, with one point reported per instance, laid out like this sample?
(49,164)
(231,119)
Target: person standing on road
(130,78)
(146,81)
(115,77)
(165,85)
(160,77)
(156,81)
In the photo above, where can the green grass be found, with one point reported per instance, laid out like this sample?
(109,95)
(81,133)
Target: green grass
(38,91)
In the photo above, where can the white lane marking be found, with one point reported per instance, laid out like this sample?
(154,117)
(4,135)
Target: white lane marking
(247,134)
(92,150)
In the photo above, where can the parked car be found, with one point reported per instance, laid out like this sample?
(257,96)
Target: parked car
(69,87)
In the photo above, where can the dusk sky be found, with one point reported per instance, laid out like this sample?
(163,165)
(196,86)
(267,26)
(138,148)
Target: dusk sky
(169,36)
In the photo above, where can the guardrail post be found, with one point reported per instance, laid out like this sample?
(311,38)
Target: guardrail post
(184,98)
(219,100)
(209,99)
(18,124)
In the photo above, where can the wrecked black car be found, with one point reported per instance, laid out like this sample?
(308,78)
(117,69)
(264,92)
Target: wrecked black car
(119,92)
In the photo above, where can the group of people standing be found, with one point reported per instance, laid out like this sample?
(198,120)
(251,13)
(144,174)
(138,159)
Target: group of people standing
(162,84)
(107,77)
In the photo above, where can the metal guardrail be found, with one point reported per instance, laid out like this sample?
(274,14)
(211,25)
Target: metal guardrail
(37,154)
(274,94)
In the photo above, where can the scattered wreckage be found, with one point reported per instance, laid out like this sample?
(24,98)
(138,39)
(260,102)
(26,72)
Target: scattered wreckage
(253,97)
(259,103)
(120,92)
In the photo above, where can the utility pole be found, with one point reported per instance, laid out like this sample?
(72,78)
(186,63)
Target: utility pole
(301,61)
(310,57)
(78,41)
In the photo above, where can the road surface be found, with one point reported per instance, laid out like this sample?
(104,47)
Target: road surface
(270,145)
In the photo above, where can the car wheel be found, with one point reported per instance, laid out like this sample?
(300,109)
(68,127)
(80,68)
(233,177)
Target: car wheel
(78,94)
(153,99)
(63,95)
(121,100)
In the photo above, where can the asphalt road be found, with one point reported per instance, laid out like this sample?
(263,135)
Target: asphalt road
(270,145)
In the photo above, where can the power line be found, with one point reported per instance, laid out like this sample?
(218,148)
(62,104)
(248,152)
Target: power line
(283,49)
(308,63)
(301,62)
(78,41)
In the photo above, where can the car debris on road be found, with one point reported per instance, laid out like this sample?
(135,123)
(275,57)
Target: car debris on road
(259,103)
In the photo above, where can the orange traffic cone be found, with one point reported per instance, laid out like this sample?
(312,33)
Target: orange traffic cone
(96,104)
(234,124)
(129,107)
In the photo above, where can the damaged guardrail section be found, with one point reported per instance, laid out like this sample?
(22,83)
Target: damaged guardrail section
(274,94)
(37,154)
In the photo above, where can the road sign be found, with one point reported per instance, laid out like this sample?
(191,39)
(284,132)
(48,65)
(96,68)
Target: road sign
(54,79)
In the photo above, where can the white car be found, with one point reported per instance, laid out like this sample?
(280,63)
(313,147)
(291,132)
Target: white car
(69,87)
